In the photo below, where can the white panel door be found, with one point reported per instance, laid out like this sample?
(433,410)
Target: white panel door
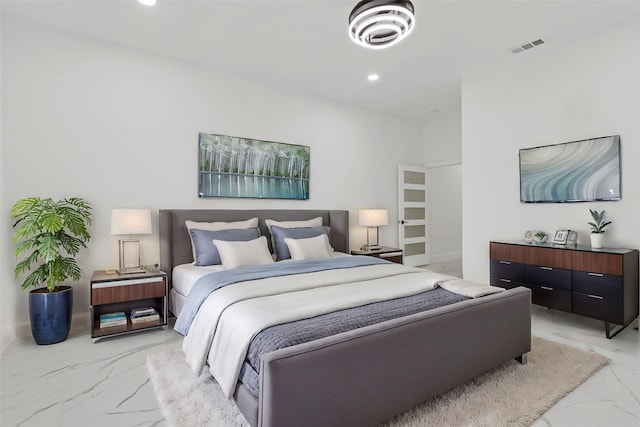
(412,215)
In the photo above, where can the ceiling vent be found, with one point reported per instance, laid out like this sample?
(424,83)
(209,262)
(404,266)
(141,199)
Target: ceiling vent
(526,46)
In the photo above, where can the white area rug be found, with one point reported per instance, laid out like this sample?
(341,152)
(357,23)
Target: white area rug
(510,395)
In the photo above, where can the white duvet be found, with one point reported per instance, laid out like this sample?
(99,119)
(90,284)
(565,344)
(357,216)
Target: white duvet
(231,316)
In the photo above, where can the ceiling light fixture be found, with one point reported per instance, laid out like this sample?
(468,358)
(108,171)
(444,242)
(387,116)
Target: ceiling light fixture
(373,77)
(377,24)
(147,2)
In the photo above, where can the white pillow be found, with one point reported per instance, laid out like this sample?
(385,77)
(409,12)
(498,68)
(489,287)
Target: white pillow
(314,222)
(238,254)
(311,248)
(217,226)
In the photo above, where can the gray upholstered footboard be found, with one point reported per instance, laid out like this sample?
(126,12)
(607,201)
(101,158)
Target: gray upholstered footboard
(363,377)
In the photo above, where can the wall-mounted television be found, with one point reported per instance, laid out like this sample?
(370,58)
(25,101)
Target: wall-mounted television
(578,171)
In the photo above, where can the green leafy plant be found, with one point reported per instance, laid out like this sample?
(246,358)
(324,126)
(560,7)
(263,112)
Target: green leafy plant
(51,234)
(599,223)
(540,235)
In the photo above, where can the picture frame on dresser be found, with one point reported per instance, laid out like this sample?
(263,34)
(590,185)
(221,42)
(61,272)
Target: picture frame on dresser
(560,238)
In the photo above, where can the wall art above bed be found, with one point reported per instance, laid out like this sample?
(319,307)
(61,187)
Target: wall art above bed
(231,166)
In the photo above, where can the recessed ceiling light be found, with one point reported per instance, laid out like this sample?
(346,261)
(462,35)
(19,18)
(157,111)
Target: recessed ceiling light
(148,2)
(373,77)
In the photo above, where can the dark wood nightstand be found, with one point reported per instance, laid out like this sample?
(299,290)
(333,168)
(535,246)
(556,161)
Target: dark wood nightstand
(116,292)
(385,252)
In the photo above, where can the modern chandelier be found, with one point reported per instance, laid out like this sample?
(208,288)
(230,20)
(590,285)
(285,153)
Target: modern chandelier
(377,24)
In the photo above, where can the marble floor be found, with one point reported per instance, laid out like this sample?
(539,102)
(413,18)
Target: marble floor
(78,383)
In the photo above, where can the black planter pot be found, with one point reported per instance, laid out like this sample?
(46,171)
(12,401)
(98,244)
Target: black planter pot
(50,314)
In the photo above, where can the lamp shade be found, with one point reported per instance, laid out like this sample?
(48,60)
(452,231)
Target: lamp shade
(373,217)
(131,221)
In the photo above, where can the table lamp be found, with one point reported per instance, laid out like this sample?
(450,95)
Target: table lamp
(130,221)
(373,218)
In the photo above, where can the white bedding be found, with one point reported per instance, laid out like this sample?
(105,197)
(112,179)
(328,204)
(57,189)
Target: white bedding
(231,316)
(186,275)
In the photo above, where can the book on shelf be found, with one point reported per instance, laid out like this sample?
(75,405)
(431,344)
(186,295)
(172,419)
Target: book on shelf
(145,319)
(142,312)
(113,319)
(112,316)
(122,322)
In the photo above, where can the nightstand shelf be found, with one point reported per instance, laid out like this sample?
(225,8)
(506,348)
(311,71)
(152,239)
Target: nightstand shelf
(112,293)
(384,252)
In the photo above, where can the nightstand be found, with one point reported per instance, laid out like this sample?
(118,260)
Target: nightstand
(116,292)
(385,252)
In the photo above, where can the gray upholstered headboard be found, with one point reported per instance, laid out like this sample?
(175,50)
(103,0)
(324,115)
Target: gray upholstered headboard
(175,244)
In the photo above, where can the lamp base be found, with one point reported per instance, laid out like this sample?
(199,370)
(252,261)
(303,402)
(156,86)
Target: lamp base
(132,270)
(370,247)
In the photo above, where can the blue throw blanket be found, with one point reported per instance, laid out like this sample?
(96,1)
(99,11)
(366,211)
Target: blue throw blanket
(209,283)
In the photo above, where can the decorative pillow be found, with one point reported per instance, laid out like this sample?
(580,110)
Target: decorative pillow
(238,254)
(206,251)
(311,248)
(314,222)
(217,226)
(279,234)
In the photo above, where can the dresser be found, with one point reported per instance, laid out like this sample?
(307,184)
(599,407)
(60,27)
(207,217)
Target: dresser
(597,283)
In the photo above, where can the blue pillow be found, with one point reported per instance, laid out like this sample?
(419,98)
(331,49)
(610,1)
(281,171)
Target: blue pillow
(206,251)
(280,233)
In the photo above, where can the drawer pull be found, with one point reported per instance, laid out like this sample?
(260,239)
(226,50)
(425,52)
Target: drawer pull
(546,268)
(596,274)
(505,262)
(595,296)
(505,280)
(546,288)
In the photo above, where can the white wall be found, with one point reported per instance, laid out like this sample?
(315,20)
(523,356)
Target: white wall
(551,94)
(445,210)
(120,128)
(442,146)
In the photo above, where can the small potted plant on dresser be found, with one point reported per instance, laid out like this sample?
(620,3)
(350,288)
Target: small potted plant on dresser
(597,228)
(49,235)
(540,237)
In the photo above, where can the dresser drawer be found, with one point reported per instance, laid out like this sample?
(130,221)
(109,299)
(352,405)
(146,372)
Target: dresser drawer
(555,278)
(556,258)
(550,297)
(501,282)
(111,292)
(597,262)
(607,309)
(507,270)
(602,285)
(506,252)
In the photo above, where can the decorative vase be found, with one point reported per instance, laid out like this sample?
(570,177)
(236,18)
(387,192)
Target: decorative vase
(50,314)
(596,240)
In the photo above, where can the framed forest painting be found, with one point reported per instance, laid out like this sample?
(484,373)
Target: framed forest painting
(230,166)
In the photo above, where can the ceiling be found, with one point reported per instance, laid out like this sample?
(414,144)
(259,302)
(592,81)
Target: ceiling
(303,45)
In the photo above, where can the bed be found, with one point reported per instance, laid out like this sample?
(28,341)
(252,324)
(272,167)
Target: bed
(364,376)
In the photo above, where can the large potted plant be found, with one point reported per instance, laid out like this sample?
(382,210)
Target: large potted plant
(49,235)
(597,228)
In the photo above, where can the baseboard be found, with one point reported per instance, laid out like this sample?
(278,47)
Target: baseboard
(448,257)
(78,321)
